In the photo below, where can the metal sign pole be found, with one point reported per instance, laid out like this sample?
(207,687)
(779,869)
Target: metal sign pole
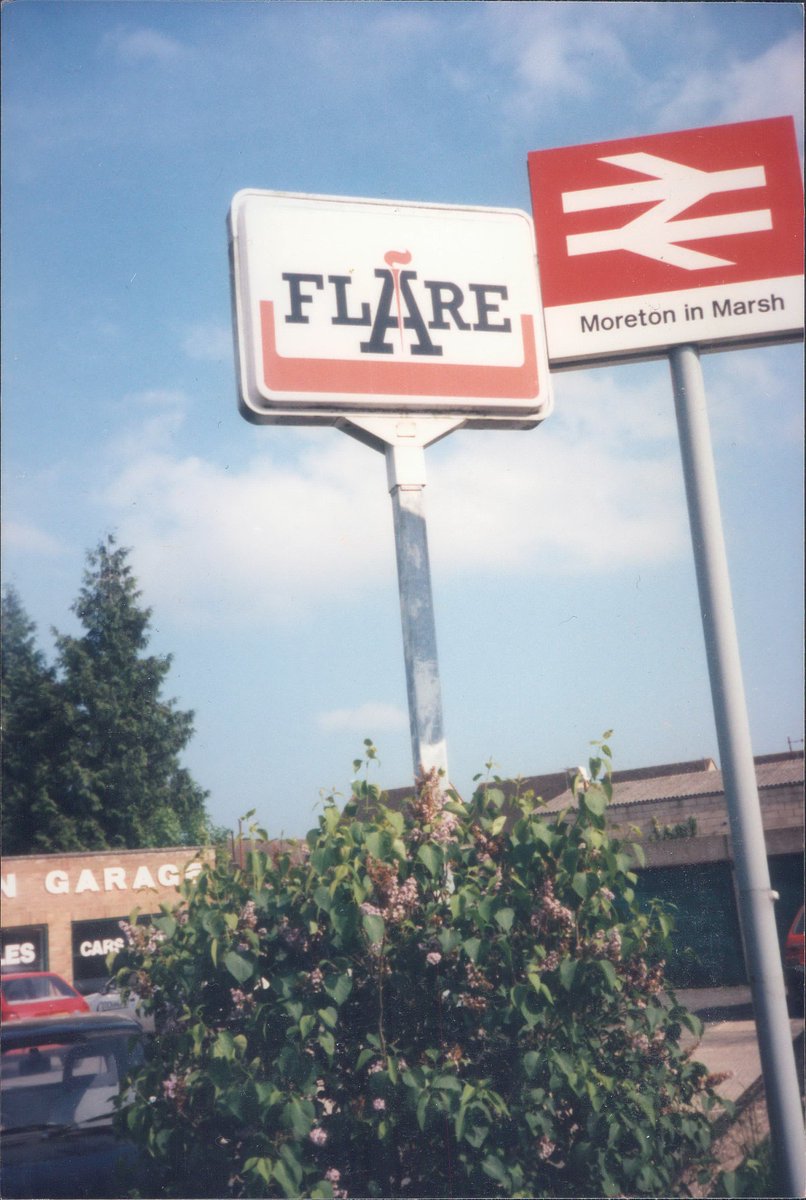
(756,898)
(405,466)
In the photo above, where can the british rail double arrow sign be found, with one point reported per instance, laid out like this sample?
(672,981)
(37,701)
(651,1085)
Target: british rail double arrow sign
(650,242)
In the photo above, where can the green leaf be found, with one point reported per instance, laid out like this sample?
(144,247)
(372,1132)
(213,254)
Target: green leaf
(595,802)
(565,1064)
(447,1083)
(285,1179)
(496,1170)
(167,924)
(608,970)
(692,1022)
(476,1135)
(261,1167)
(339,987)
(666,923)
(504,917)
(330,1017)
(232,1103)
(224,1046)
(568,969)
(298,1116)
(432,858)
(448,940)
(378,843)
(646,1106)
(327,1042)
(531,1061)
(396,821)
(267,1094)
(580,885)
(471,948)
(374,928)
(238,966)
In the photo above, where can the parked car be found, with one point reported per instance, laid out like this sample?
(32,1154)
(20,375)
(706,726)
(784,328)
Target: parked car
(37,994)
(60,1080)
(110,999)
(793,963)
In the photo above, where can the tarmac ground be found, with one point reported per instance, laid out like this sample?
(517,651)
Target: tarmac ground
(729,1042)
(729,1045)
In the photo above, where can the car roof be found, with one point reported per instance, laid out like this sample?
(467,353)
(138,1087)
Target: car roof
(69,1025)
(28,975)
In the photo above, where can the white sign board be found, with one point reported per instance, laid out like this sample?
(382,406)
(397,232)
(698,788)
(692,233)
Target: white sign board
(370,306)
(669,239)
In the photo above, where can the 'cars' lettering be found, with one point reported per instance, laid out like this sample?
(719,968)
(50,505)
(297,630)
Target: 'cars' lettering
(101,947)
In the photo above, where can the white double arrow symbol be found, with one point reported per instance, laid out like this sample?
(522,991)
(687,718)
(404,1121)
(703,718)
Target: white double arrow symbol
(676,187)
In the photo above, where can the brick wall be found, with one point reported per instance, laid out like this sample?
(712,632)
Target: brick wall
(781,808)
(54,890)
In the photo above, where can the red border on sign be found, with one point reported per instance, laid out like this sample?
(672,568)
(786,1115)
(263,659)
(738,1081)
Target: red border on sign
(333,376)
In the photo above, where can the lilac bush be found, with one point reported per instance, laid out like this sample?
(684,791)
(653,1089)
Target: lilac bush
(455,1000)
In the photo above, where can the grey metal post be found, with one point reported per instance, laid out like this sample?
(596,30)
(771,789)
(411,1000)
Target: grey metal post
(405,467)
(756,898)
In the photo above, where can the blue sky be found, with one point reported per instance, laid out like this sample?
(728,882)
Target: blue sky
(562,569)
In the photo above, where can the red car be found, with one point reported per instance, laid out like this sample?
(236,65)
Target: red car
(38,994)
(793,963)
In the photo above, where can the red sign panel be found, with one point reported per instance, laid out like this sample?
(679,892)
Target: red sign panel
(695,236)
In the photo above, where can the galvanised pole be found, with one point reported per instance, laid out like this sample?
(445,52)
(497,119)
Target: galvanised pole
(756,898)
(405,466)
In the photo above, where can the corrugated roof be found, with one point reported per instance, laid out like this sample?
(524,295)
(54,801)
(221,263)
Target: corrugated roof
(771,771)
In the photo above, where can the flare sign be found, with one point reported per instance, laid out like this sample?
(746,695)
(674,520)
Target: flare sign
(371,307)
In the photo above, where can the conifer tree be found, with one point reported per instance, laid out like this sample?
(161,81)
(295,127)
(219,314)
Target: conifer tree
(124,783)
(35,738)
(91,750)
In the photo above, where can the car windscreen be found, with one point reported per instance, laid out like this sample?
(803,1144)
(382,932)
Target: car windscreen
(41,987)
(56,1080)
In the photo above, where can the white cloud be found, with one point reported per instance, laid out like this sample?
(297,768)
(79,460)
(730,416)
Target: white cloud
(633,59)
(559,56)
(769,85)
(208,342)
(745,389)
(28,539)
(144,45)
(556,506)
(597,488)
(375,716)
(160,414)
(265,542)
(555,52)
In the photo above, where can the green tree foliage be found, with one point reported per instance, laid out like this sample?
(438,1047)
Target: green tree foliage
(95,750)
(35,736)
(450,1001)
